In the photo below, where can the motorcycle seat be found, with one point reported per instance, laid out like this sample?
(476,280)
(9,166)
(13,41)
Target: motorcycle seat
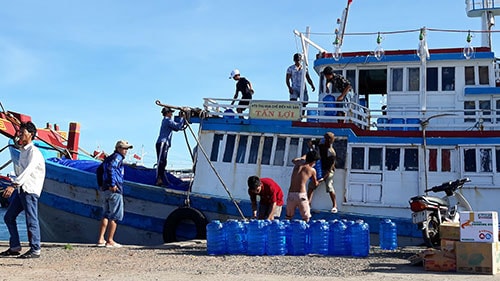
(432,200)
(436,200)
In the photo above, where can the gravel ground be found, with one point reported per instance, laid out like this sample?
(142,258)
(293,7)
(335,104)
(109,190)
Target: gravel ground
(189,260)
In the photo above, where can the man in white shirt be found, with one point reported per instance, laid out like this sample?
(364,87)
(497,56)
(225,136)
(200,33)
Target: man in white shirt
(295,76)
(25,191)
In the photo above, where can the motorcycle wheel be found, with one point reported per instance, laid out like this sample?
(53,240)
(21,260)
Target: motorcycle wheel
(431,232)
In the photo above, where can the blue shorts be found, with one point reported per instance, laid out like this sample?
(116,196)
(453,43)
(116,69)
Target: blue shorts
(113,206)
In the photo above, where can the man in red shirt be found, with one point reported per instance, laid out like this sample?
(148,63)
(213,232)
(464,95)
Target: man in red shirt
(271,197)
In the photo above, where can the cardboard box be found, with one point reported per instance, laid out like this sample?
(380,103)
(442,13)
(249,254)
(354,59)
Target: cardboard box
(436,260)
(479,227)
(448,246)
(449,230)
(478,257)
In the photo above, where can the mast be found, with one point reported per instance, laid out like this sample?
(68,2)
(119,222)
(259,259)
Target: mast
(487,10)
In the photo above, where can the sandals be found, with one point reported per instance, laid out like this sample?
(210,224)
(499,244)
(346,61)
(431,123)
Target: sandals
(9,253)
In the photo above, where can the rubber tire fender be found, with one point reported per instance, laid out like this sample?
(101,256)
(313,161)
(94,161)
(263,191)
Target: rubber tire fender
(182,214)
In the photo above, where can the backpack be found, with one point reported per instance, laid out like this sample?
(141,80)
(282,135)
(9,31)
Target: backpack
(99,173)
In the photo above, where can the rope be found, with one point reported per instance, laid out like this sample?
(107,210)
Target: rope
(405,31)
(215,171)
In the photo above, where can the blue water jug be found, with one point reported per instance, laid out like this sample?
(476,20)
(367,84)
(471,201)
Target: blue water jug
(337,240)
(388,235)
(360,239)
(256,237)
(299,238)
(235,237)
(216,243)
(288,235)
(348,235)
(276,239)
(319,232)
(319,171)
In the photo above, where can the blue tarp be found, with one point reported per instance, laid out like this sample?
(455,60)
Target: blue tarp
(138,174)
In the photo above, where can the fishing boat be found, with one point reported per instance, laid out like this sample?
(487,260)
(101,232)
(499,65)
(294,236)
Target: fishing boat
(440,121)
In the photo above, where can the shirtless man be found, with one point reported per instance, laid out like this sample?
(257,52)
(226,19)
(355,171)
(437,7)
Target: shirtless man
(297,195)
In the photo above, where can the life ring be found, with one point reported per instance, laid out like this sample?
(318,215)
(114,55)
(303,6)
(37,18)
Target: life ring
(186,214)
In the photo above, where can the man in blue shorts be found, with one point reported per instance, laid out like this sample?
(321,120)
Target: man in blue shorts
(113,194)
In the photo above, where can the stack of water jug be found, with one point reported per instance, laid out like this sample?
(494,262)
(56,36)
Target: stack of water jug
(284,237)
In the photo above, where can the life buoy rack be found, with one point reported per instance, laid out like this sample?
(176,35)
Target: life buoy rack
(184,214)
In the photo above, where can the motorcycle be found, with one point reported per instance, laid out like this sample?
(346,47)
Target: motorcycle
(430,211)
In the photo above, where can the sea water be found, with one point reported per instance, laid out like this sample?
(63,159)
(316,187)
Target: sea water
(21,227)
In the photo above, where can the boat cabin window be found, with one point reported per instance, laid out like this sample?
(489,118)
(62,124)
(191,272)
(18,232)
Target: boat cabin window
(413,79)
(435,165)
(469,75)
(358,158)
(497,159)
(242,149)
(479,111)
(448,79)
(215,147)
(432,79)
(266,152)
(279,154)
(351,76)
(372,81)
(228,152)
(484,77)
(392,159)
(478,160)
(483,74)
(375,158)
(292,150)
(411,159)
(397,79)
(254,150)
(497,106)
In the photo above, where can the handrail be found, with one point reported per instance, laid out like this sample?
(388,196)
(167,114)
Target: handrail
(374,119)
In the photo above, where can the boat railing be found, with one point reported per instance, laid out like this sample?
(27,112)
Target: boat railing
(392,119)
(313,111)
(476,8)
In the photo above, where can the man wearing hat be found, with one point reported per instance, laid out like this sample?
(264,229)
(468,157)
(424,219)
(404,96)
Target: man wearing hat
(245,87)
(113,194)
(164,141)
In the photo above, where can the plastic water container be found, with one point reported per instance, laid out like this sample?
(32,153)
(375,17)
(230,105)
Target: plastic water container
(216,243)
(276,239)
(388,235)
(360,239)
(348,235)
(312,115)
(288,235)
(337,239)
(319,171)
(256,237)
(329,99)
(235,237)
(299,238)
(319,234)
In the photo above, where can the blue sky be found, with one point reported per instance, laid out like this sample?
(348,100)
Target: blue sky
(104,63)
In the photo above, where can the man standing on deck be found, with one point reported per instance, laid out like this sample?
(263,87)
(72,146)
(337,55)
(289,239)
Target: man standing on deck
(297,195)
(271,197)
(328,156)
(294,80)
(113,194)
(245,87)
(25,191)
(164,141)
(342,85)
